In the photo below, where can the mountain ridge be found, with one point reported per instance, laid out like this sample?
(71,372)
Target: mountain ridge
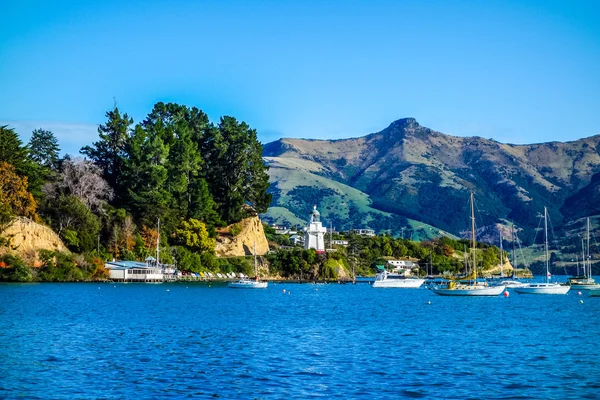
(417,172)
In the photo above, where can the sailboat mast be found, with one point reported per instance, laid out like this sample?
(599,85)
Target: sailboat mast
(546,241)
(473,236)
(589,264)
(583,257)
(514,259)
(501,263)
(157,244)
(255,267)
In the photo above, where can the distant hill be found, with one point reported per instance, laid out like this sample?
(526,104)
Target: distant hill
(410,172)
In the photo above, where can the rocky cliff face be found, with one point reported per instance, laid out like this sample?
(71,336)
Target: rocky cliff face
(413,171)
(242,243)
(25,238)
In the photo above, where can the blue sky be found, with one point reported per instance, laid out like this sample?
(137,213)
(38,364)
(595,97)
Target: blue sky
(515,71)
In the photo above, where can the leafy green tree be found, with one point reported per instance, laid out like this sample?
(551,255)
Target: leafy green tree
(193,234)
(12,150)
(149,194)
(330,269)
(13,269)
(237,172)
(44,149)
(73,221)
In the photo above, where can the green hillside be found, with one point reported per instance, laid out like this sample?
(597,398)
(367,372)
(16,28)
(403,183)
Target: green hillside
(296,188)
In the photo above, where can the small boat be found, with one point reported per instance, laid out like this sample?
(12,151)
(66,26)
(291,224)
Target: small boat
(585,281)
(247,283)
(387,279)
(469,287)
(544,287)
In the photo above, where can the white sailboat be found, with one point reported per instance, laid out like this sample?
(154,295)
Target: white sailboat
(472,288)
(544,287)
(246,283)
(585,282)
(512,282)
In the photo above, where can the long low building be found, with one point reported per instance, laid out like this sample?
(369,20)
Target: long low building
(133,271)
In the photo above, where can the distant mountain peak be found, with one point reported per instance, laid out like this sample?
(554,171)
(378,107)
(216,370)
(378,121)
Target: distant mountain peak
(404,123)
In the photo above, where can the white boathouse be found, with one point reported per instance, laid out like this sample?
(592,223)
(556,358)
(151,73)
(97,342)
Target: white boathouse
(133,271)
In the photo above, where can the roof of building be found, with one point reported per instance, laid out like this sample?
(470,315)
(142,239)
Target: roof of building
(125,265)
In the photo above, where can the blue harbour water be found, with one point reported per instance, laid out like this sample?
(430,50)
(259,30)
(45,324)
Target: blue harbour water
(83,340)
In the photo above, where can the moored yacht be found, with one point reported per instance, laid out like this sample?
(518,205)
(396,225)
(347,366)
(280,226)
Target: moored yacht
(246,283)
(471,287)
(585,281)
(468,289)
(544,287)
(387,279)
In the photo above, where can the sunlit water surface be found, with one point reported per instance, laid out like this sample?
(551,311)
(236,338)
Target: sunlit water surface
(84,340)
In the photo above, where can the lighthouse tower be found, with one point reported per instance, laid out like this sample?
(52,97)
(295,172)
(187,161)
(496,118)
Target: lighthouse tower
(314,236)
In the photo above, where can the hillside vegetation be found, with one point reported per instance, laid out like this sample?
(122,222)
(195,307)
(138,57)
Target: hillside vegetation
(410,171)
(175,170)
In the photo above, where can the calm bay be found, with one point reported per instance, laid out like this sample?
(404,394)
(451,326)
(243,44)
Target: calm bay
(85,340)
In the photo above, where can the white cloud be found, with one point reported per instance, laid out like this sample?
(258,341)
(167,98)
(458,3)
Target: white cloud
(71,136)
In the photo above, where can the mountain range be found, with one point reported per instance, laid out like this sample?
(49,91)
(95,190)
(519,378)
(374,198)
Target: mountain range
(410,178)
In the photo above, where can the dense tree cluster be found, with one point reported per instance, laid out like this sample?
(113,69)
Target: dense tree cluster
(363,254)
(175,166)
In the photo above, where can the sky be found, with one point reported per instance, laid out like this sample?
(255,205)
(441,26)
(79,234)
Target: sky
(515,71)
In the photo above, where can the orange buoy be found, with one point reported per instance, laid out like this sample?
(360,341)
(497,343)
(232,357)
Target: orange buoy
(506,294)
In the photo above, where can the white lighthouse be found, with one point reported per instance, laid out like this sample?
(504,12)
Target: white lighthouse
(314,236)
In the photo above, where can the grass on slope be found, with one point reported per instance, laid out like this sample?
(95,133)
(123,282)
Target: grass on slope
(336,203)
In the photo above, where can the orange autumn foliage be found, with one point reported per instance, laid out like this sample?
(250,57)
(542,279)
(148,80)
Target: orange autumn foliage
(150,236)
(100,273)
(14,197)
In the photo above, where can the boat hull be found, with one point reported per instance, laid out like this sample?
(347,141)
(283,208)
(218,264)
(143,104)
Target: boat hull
(543,288)
(472,290)
(585,286)
(408,283)
(248,285)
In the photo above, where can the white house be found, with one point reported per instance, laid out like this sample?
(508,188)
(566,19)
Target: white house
(402,266)
(363,232)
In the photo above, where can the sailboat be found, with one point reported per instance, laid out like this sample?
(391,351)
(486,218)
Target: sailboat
(585,282)
(472,288)
(544,287)
(246,283)
(512,281)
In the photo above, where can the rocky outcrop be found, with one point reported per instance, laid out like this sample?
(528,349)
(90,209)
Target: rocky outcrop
(238,239)
(25,238)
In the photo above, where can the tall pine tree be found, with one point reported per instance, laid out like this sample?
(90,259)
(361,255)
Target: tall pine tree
(44,149)
(109,152)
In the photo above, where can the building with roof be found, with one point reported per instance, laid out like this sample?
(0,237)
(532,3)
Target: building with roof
(363,232)
(134,271)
